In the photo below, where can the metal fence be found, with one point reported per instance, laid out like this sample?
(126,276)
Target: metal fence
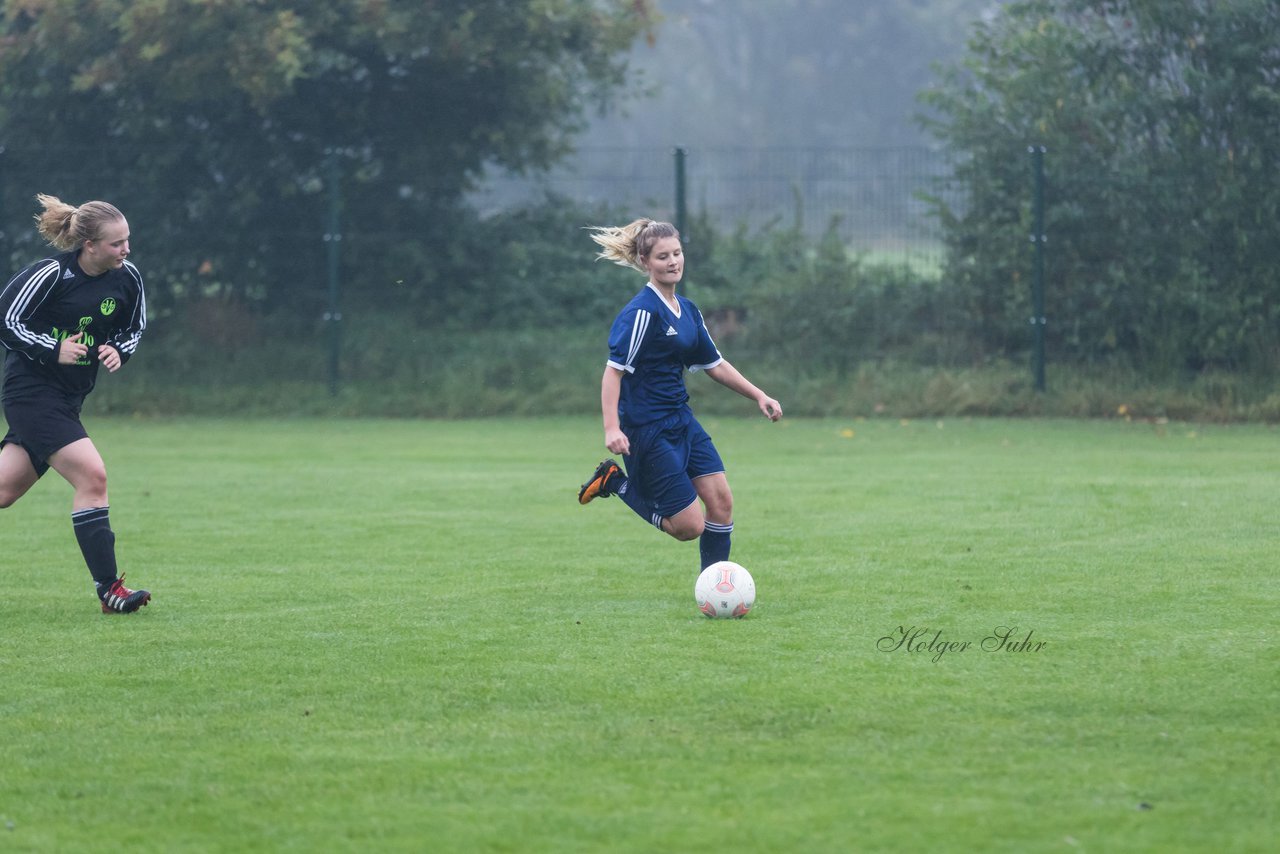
(876,199)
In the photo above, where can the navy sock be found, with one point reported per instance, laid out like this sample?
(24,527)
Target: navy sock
(621,487)
(97,544)
(714,543)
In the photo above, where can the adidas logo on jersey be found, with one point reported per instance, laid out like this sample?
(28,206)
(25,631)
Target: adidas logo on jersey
(68,274)
(671,330)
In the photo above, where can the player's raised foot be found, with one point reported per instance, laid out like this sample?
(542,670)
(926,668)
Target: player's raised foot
(118,599)
(598,485)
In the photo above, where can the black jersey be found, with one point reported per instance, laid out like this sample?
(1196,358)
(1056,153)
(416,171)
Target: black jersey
(53,299)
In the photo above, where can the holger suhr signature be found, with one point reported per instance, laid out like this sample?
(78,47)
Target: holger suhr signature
(922,639)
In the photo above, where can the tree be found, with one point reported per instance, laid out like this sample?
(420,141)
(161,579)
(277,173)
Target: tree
(216,126)
(1162,126)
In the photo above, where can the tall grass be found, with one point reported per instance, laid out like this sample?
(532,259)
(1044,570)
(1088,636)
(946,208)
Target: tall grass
(387,370)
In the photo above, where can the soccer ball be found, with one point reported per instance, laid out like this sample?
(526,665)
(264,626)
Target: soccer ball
(725,589)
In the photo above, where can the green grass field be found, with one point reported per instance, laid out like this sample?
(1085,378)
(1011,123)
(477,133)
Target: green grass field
(407,636)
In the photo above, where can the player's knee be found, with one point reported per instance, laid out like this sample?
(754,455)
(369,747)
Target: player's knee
(93,482)
(11,491)
(722,506)
(688,530)
(717,498)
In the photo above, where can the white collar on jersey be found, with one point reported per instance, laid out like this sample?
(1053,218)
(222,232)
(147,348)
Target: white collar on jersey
(674,306)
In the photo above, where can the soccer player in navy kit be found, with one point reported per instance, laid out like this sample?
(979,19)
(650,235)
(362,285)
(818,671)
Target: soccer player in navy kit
(61,319)
(671,463)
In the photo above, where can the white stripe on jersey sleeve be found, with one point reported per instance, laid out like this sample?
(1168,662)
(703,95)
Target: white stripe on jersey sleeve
(13,317)
(638,330)
(130,344)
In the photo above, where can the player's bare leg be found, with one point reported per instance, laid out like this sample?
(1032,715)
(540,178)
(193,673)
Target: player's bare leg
(82,466)
(17,474)
(716,497)
(687,524)
(715,540)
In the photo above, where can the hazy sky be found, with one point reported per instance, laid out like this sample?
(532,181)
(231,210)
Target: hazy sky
(762,73)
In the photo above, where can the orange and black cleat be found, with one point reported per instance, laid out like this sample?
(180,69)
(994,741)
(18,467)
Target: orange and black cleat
(598,485)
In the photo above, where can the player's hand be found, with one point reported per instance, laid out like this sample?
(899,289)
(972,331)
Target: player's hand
(771,408)
(616,441)
(110,358)
(70,350)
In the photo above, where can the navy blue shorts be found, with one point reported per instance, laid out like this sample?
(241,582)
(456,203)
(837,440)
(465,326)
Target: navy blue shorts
(43,425)
(666,456)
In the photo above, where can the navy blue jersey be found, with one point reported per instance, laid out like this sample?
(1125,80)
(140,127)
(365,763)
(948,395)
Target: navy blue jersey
(654,345)
(53,299)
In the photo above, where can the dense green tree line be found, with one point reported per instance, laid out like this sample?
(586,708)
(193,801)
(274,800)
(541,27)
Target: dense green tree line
(220,127)
(1162,128)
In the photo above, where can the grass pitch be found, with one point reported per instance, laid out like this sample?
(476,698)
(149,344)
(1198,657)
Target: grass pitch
(407,635)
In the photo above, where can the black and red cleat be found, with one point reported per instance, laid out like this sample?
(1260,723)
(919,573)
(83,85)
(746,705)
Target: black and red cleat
(118,599)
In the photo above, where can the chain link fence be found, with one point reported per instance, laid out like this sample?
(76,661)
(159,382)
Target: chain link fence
(875,199)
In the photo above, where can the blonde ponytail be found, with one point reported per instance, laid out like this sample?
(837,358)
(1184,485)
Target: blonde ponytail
(67,226)
(627,245)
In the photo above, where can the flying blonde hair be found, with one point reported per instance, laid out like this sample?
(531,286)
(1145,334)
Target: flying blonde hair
(625,245)
(67,226)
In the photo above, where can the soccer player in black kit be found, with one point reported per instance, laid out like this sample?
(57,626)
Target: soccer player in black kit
(61,319)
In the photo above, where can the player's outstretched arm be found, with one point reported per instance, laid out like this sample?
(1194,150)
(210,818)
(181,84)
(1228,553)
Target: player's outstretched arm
(730,377)
(610,390)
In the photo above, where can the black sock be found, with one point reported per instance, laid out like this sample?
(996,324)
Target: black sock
(714,544)
(97,544)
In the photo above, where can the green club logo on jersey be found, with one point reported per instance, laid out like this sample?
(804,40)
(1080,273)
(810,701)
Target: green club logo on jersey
(81,329)
(108,306)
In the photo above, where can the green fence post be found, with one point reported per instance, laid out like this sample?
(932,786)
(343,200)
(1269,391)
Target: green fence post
(333,237)
(4,234)
(681,190)
(1038,239)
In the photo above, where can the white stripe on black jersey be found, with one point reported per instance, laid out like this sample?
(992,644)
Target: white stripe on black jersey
(27,288)
(54,299)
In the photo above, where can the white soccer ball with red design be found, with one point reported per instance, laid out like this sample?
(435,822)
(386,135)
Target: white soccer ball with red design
(725,589)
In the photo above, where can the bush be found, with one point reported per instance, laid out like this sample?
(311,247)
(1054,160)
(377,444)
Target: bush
(524,333)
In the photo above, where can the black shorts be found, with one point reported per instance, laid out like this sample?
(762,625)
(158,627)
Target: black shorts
(43,425)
